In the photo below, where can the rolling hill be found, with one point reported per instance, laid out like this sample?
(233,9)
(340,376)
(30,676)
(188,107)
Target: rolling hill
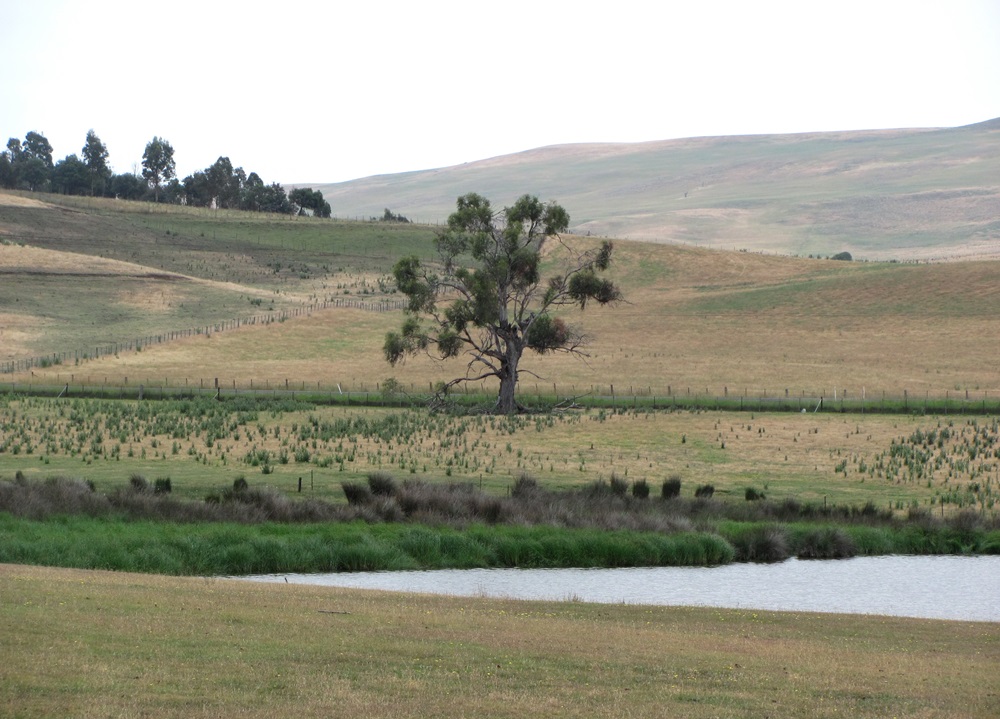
(924,194)
(77,273)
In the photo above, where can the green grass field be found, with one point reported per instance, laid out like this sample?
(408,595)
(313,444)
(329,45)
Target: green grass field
(101,644)
(202,447)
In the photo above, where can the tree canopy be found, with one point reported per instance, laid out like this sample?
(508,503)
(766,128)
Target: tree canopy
(158,165)
(487,299)
(27,165)
(309,199)
(95,156)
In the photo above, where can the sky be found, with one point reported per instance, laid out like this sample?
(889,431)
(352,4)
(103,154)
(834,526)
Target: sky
(318,92)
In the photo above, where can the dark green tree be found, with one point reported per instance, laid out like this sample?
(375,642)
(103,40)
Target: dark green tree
(127,186)
(309,199)
(158,164)
(198,190)
(487,299)
(95,157)
(8,179)
(70,176)
(264,198)
(250,196)
(225,183)
(36,145)
(30,161)
(274,199)
(9,168)
(33,173)
(14,149)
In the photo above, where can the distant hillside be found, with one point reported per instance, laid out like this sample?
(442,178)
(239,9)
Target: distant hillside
(891,194)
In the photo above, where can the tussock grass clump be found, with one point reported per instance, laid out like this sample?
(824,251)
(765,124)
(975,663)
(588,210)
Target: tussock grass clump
(825,543)
(752,494)
(640,489)
(357,494)
(525,486)
(671,487)
(138,483)
(704,491)
(758,543)
(453,503)
(382,484)
(55,496)
(162,485)
(618,485)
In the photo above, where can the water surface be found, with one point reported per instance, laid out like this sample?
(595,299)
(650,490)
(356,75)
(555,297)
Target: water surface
(939,587)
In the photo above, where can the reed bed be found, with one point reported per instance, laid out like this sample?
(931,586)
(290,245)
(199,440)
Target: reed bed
(415,525)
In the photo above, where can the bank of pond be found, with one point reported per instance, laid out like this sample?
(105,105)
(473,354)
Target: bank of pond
(213,549)
(385,526)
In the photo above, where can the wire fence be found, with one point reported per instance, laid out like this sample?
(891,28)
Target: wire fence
(529,395)
(136,344)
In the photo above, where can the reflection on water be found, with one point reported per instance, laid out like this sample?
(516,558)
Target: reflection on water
(943,587)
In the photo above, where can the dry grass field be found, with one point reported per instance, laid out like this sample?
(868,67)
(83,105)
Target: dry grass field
(707,321)
(101,644)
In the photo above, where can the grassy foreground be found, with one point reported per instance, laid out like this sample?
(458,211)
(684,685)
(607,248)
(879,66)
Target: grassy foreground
(100,644)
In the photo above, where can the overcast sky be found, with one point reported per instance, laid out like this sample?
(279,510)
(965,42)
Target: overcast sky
(305,92)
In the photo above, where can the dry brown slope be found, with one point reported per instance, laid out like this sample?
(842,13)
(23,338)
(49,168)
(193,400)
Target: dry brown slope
(904,194)
(698,318)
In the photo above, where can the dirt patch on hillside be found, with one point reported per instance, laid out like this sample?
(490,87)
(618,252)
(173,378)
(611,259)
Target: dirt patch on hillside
(160,298)
(18,334)
(17,201)
(24,258)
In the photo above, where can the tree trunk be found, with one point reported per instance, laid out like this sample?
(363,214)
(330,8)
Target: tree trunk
(506,403)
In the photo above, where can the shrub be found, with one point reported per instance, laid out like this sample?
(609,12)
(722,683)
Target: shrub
(753,495)
(162,485)
(640,489)
(382,484)
(596,489)
(966,522)
(138,483)
(760,543)
(525,486)
(240,484)
(672,487)
(357,494)
(619,486)
(705,491)
(54,495)
(826,543)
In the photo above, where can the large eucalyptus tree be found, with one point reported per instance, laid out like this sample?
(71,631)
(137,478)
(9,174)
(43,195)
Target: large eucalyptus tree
(487,298)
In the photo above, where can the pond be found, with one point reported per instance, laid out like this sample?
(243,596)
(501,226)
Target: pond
(935,587)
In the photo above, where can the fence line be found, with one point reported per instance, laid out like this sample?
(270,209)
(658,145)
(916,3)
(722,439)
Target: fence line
(77,356)
(592,396)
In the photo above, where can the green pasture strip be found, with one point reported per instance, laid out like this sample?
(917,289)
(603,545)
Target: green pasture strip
(235,549)
(97,644)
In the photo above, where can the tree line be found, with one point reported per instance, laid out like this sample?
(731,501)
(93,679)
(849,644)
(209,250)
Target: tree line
(28,165)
